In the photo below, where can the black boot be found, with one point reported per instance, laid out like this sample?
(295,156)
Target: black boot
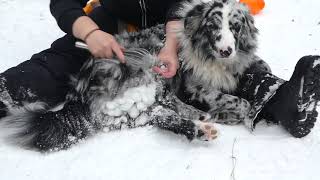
(257,85)
(295,102)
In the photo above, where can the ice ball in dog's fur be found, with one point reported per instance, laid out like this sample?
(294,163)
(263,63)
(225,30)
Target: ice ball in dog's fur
(115,112)
(120,101)
(127,105)
(111,105)
(141,106)
(133,112)
(135,95)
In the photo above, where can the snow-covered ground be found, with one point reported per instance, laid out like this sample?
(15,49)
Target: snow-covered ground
(289,29)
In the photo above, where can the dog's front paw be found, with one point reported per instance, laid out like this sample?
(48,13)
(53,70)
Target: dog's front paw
(206,131)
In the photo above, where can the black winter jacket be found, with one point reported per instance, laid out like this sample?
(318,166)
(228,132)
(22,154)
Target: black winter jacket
(142,13)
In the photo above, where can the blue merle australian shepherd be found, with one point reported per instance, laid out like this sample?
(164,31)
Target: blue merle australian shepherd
(220,80)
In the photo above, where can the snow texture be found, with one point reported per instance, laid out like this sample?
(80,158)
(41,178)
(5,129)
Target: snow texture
(289,29)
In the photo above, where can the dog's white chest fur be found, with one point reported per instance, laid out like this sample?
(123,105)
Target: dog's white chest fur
(131,102)
(214,75)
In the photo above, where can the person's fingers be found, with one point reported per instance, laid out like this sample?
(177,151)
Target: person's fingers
(107,53)
(117,50)
(159,70)
(100,54)
(94,51)
(169,74)
(171,69)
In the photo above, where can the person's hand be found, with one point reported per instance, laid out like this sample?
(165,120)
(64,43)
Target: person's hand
(104,45)
(169,58)
(169,53)
(100,44)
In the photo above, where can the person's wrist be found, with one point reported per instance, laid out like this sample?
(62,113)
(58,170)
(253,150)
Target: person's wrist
(85,38)
(170,48)
(171,41)
(82,26)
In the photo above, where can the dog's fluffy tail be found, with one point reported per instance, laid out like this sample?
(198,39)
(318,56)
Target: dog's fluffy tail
(34,127)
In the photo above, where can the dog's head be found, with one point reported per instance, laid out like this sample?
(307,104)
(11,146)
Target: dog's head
(218,29)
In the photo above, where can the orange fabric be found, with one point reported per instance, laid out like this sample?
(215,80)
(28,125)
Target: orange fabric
(255,6)
(94,3)
(132,28)
(91,5)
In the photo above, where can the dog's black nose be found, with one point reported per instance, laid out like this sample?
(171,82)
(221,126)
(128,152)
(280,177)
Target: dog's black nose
(226,53)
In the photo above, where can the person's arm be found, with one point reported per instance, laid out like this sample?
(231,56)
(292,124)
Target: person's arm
(71,18)
(169,53)
(66,12)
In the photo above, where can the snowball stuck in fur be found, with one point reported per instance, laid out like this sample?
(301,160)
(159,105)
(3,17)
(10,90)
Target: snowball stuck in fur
(132,102)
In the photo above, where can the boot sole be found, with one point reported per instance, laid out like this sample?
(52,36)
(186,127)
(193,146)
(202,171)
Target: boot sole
(308,97)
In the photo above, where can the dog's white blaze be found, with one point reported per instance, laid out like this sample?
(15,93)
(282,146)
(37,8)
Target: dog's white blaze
(132,101)
(227,38)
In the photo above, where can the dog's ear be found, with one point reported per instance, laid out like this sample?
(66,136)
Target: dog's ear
(193,18)
(248,34)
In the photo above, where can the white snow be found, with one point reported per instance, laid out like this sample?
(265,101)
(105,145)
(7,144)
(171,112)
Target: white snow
(289,29)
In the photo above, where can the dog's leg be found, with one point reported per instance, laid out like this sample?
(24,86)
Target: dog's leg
(184,110)
(226,108)
(223,108)
(168,119)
